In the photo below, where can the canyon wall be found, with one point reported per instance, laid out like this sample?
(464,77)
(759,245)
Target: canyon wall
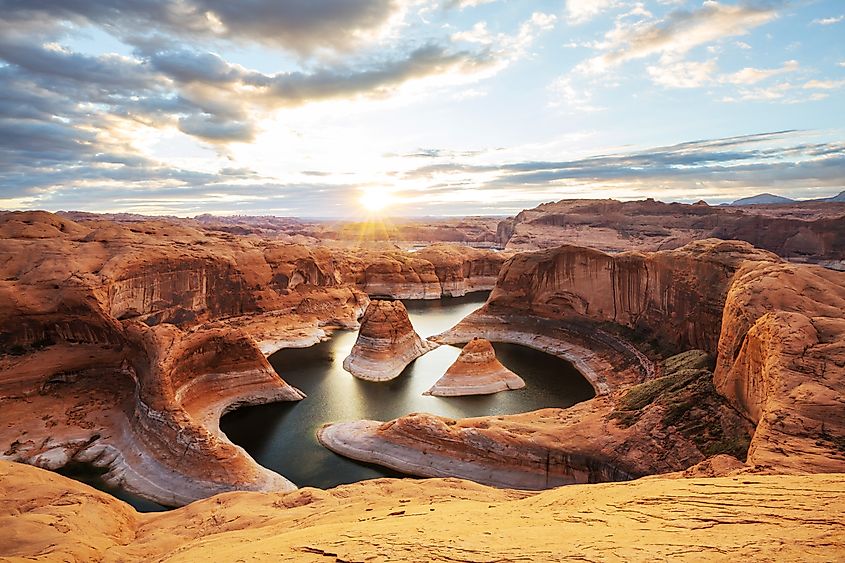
(122,344)
(675,296)
(801,231)
(782,363)
(775,330)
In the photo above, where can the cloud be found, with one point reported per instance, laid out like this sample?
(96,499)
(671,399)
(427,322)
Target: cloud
(676,34)
(824,84)
(707,168)
(829,21)
(508,47)
(456,182)
(788,92)
(750,75)
(567,95)
(301,26)
(200,93)
(683,74)
(462,4)
(580,11)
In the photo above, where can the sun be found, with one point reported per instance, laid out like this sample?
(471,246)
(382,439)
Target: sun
(376,200)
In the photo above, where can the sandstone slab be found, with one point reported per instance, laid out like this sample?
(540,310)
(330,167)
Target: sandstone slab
(45,516)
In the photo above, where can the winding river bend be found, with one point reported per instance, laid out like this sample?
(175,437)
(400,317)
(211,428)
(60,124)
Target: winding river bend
(282,436)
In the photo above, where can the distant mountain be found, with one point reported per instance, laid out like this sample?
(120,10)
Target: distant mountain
(840,198)
(764,199)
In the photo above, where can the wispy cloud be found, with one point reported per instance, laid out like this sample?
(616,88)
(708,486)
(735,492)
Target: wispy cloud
(751,75)
(676,34)
(729,166)
(829,21)
(580,11)
(470,182)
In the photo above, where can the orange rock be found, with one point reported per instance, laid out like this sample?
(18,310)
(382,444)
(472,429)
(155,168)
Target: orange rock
(47,516)
(386,343)
(123,341)
(807,231)
(476,371)
(776,327)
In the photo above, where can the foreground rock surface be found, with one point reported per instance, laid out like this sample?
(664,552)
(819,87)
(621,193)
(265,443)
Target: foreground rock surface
(386,343)
(476,371)
(48,517)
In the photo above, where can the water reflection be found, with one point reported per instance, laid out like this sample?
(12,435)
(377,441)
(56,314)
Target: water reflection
(281,436)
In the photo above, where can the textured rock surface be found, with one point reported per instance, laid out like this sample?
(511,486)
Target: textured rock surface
(476,371)
(755,517)
(430,273)
(780,364)
(676,296)
(386,343)
(122,343)
(810,231)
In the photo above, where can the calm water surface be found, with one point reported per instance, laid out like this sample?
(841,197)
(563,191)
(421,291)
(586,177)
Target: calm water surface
(282,436)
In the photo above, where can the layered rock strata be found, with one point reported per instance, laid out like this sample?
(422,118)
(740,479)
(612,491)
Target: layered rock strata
(476,371)
(435,271)
(776,329)
(122,343)
(800,231)
(759,517)
(386,343)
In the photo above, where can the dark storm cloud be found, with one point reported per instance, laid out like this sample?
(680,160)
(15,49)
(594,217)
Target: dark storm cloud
(298,25)
(213,129)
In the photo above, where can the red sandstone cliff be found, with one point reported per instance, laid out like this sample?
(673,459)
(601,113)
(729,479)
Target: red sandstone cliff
(676,296)
(121,344)
(777,329)
(802,231)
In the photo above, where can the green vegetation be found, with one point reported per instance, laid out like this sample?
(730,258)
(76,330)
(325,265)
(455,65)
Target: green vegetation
(688,401)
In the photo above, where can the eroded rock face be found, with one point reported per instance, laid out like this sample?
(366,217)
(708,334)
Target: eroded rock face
(782,363)
(122,343)
(802,231)
(476,371)
(430,273)
(461,269)
(675,296)
(386,343)
(777,329)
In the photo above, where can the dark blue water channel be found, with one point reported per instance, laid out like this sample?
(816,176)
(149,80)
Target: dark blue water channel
(282,436)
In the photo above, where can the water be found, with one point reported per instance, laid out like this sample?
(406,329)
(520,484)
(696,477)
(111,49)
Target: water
(92,476)
(282,436)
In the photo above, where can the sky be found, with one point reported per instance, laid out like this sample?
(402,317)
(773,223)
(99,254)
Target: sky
(340,108)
